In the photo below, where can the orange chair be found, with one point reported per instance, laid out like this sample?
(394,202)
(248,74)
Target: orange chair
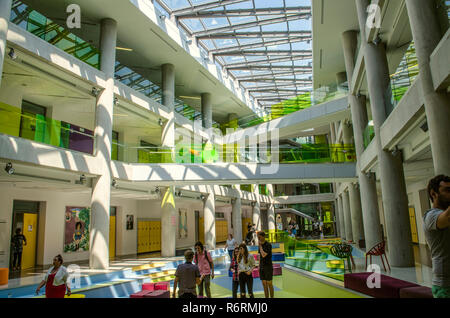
(4,276)
(378,250)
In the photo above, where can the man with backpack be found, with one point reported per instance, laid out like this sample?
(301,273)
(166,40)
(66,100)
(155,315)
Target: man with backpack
(205,265)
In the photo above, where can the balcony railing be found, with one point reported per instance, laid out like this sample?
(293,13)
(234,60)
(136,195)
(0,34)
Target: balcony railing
(210,153)
(302,101)
(369,134)
(404,76)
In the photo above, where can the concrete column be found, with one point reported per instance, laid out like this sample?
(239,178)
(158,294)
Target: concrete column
(333,134)
(271,208)
(101,187)
(347,216)
(369,196)
(337,229)
(423,18)
(206,110)
(209,217)
(393,187)
(347,133)
(237,219)
(256,213)
(356,213)
(5,14)
(341,217)
(341,78)
(168,222)
(168,100)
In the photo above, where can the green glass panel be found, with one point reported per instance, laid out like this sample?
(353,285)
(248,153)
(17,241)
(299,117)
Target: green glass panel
(28,126)
(9,120)
(41,129)
(65,135)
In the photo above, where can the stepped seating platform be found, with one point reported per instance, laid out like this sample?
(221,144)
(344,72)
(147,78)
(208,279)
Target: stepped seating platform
(389,287)
(116,284)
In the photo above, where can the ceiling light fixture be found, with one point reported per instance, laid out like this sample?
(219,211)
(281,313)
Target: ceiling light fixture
(95,91)
(12,54)
(9,168)
(123,49)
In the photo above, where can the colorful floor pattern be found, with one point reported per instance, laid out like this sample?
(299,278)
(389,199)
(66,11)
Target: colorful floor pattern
(289,285)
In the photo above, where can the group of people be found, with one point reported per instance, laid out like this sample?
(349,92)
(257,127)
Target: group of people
(190,275)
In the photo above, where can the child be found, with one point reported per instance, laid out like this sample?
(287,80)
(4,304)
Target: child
(234,268)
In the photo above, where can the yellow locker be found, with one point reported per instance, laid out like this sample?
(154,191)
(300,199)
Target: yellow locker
(30,233)
(112,236)
(412,219)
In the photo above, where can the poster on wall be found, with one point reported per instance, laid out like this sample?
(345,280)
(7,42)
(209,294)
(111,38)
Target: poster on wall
(76,234)
(130,222)
(182,224)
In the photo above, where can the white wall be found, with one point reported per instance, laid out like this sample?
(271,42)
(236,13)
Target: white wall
(52,222)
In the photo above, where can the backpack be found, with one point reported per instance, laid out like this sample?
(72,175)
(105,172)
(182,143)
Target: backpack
(207,258)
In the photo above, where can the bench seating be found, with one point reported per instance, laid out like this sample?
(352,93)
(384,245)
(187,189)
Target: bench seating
(389,287)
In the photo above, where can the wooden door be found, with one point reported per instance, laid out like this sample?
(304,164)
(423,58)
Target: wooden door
(30,233)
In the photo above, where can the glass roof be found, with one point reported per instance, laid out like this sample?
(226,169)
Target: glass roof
(266,45)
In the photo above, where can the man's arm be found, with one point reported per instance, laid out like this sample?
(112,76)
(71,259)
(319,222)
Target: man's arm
(443,220)
(175,284)
(263,254)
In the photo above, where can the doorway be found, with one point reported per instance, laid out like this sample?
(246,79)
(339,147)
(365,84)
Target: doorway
(112,232)
(25,217)
(197,225)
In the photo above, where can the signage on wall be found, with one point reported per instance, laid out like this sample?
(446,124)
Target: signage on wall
(173,220)
(30,228)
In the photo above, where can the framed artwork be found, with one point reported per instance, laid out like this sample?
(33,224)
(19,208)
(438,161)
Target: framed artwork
(130,222)
(76,234)
(182,224)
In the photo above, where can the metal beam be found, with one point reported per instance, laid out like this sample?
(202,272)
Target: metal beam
(270,80)
(272,90)
(276,60)
(267,52)
(249,24)
(274,74)
(272,97)
(245,12)
(258,45)
(205,6)
(257,35)
(270,67)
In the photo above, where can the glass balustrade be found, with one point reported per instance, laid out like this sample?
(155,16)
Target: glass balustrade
(210,153)
(404,76)
(369,134)
(302,101)
(45,130)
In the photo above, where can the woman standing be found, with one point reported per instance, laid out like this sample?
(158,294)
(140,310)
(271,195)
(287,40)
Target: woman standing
(234,268)
(231,245)
(246,265)
(55,280)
